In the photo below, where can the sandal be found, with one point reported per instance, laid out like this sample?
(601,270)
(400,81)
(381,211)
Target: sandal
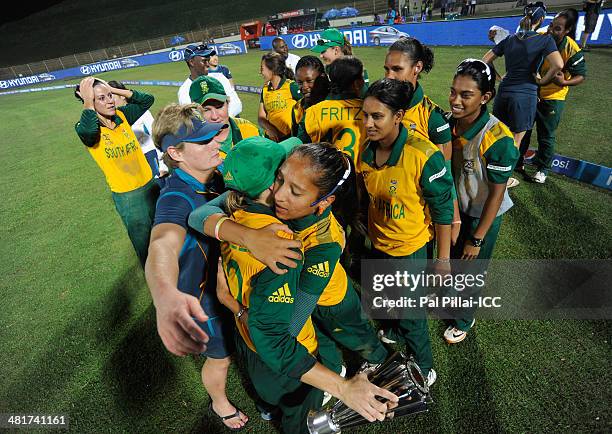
(231,416)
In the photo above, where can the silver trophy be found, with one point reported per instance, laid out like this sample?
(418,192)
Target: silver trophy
(399,375)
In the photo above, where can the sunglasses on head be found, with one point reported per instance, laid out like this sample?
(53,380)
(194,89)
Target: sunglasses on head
(201,47)
(322,41)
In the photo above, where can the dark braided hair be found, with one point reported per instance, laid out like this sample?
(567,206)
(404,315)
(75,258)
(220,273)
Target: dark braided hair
(343,73)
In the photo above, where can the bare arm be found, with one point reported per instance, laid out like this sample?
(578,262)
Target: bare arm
(265,245)
(575,80)
(556,64)
(179,332)
(489,57)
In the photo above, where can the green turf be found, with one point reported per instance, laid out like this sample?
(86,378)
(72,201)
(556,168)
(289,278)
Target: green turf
(77,330)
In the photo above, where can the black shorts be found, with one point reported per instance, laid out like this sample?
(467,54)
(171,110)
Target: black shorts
(591,15)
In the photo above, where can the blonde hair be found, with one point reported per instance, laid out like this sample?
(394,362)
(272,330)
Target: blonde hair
(169,120)
(235,201)
(346,49)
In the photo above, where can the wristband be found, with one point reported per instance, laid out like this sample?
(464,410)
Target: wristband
(218,225)
(241,312)
(442,260)
(456,222)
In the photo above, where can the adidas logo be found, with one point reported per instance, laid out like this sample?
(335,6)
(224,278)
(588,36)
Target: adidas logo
(228,176)
(321,270)
(281,295)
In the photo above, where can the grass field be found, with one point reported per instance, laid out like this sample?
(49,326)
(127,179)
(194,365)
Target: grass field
(78,333)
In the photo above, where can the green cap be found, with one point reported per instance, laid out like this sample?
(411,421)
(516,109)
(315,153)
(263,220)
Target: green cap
(204,88)
(329,38)
(250,166)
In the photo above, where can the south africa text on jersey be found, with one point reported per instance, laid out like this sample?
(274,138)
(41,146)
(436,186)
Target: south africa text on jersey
(121,151)
(391,210)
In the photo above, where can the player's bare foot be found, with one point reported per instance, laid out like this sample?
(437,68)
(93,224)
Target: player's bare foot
(231,416)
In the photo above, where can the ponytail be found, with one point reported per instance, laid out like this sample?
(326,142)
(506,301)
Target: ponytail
(347,49)
(415,50)
(275,63)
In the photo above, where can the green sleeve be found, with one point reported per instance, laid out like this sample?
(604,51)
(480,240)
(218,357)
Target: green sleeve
(449,166)
(501,158)
(437,186)
(312,280)
(302,134)
(366,77)
(198,217)
(319,265)
(295,91)
(88,128)
(269,324)
(439,129)
(137,105)
(576,65)
(294,124)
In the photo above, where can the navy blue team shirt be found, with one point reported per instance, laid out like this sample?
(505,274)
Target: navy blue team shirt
(523,56)
(198,257)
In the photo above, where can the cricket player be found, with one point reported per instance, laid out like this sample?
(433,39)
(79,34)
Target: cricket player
(210,94)
(409,190)
(338,119)
(552,96)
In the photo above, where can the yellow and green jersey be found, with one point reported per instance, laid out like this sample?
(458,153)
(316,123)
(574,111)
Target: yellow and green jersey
(270,299)
(337,120)
(117,151)
(297,114)
(239,129)
(573,64)
(426,119)
(485,153)
(279,103)
(323,241)
(407,193)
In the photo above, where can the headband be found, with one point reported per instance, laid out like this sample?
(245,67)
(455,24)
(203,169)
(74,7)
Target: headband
(487,68)
(345,176)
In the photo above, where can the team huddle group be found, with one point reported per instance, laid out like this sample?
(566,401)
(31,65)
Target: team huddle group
(249,233)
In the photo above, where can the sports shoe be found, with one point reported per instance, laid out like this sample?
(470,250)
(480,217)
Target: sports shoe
(267,414)
(385,339)
(539,177)
(512,182)
(520,169)
(431,377)
(453,335)
(327,396)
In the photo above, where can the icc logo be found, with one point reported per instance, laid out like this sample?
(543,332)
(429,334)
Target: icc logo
(300,41)
(85,70)
(175,56)
(3,84)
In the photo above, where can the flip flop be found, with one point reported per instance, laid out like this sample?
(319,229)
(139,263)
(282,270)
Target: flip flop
(231,416)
